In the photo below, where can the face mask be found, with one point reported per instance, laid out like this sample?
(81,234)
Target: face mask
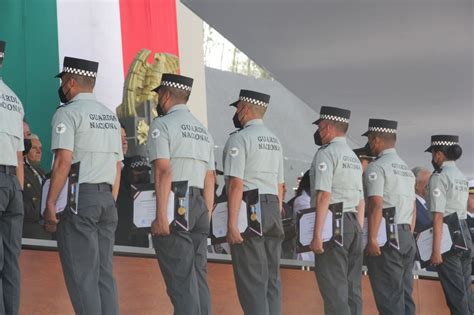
(159,110)
(317,138)
(62,95)
(236,121)
(435,166)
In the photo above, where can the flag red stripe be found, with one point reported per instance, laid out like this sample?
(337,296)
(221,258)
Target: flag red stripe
(150,24)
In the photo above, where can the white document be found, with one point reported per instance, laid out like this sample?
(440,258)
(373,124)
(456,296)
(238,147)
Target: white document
(144,208)
(61,203)
(381,235)
(425,242)
(307,223)
(220,216)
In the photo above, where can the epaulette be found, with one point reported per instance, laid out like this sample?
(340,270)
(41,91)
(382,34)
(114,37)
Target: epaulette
(437,171)
(62,105)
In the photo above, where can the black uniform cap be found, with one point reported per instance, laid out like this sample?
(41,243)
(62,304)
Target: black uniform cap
(333,114)
(78,66)
(253,97)
(175,81)
(381,125)
(364,153)
(439,141)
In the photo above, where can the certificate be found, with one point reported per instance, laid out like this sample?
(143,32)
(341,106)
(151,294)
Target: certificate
(144,205)
(381,234)
(68,196)
(332,228)
(249,220)
(219,221)
(424,243)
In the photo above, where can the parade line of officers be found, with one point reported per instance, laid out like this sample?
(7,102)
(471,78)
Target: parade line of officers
(180,148)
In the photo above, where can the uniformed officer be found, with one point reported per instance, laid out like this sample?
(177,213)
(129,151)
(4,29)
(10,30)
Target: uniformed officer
(11,202)
(253,159)
(447,194)
(181,149)
(336,176)
(389,183)
(85,131)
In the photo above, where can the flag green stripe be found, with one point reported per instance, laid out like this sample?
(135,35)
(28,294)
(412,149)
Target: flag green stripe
(31,60)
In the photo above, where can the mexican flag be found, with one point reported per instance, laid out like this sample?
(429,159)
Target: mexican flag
(39,33)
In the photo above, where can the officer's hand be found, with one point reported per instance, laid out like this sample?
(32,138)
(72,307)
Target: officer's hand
(317,245)
(50,219)
(373,249)
(233,236)
(436,259)
(160,227)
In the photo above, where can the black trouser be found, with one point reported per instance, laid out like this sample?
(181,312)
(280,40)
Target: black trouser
(256,263)
(182,257)
(391,275)
(339,271)
(455,277)
(11,225)
(86,244)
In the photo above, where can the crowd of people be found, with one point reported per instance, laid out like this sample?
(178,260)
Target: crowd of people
(355,188)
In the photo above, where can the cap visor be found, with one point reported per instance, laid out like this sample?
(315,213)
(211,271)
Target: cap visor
(365,134)
(60,74)
(429,149)
(317,121)
(234,104)
(157,89)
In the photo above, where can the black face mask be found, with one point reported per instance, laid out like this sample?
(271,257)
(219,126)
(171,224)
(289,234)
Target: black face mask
(159,110)
(62,95)
(317,138)
(236,121)
(435,166)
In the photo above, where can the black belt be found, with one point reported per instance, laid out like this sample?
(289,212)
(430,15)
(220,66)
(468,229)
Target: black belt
(95,187)
(405,227)
(194,191)
(8,169)
(268,198)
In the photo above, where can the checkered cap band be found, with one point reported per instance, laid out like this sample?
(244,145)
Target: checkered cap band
(253,101)
(176,85)
(86,73)
(443,143)
(333,118)
(137,164)
(382,129)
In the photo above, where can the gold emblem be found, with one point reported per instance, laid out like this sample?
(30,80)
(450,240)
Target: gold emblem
(253,216)
(181,210)
(337,232)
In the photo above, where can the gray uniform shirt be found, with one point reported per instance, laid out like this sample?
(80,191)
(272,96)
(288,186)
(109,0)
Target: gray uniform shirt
(448,191)
(92,132)
(390,178)
(254,154)
(181,138)
(11,125)
(336,169)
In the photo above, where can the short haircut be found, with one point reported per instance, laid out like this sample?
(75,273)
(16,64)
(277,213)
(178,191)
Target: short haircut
(339,125)
(34,137)
(257,109)
(88,82)
(176,94)
(385,136)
